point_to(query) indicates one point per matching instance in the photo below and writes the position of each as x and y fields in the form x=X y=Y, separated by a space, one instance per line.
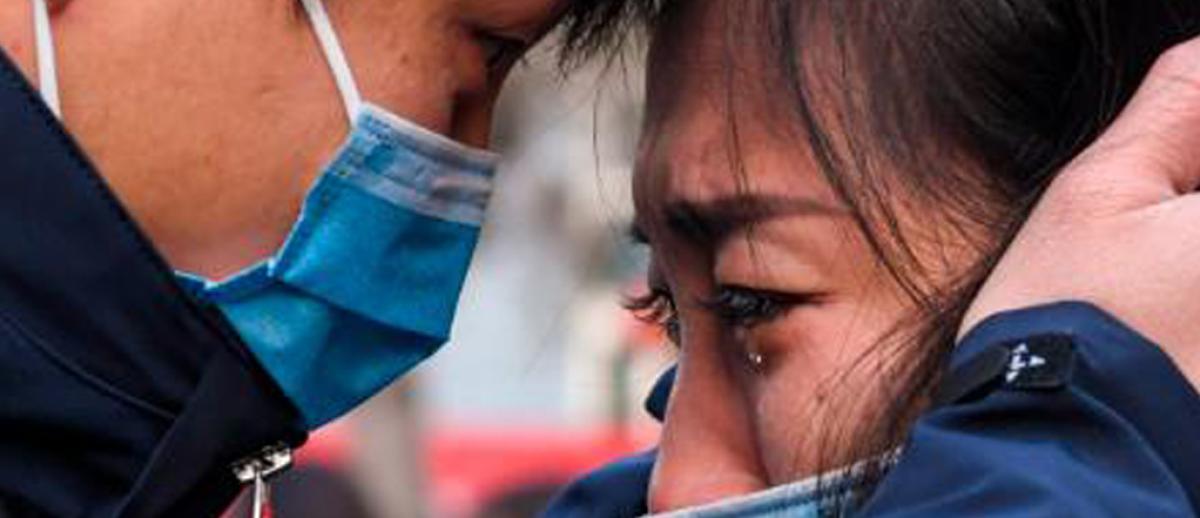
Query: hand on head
x=1120 y=226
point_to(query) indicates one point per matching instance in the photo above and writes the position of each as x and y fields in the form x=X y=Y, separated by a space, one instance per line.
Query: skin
x=212 y=119
x=1118 y=225
x=734 y=427
x=214 y=203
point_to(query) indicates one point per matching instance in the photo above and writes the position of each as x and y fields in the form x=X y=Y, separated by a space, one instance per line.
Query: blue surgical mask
x=366 y=285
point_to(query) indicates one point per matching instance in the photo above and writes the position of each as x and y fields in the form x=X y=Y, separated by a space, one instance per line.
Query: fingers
x=1155 y=142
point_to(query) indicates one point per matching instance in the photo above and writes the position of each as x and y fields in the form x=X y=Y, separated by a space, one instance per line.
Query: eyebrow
x=711 y=222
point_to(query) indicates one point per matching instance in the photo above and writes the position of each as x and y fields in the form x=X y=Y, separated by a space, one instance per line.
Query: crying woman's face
x=780 y=301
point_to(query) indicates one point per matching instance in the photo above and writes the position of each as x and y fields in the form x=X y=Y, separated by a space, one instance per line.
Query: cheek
x=471 y=76
x=409 y=59
x=423 y=83
x=821 y=386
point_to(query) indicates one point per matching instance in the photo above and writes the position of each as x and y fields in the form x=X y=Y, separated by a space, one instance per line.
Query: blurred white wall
x=552 y=247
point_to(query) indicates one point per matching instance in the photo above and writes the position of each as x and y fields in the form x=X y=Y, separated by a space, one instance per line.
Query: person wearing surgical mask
x=226 y=224
x=916 y=258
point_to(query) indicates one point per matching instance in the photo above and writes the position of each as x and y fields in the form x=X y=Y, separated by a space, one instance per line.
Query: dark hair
x=977 y=103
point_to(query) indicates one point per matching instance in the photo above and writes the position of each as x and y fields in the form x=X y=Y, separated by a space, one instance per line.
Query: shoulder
x=1052 y=411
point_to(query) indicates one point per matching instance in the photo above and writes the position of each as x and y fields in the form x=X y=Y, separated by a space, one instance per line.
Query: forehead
x=701 y=52
x=714 y=126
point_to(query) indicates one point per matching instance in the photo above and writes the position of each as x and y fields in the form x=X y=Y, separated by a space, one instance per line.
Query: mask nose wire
x=335 y=57
x=46 y=64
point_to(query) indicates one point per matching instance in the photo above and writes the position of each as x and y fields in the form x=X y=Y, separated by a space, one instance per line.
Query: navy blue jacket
x=1052 y=411
x=119 y=394
x=618 y=489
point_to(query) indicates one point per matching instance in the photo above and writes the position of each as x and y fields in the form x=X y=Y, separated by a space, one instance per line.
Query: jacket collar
x=75 y=269
x=81 y=280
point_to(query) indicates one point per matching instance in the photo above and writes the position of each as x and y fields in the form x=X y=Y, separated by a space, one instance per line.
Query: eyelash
x=657 y=307
x=738 y=307
x=744 y=308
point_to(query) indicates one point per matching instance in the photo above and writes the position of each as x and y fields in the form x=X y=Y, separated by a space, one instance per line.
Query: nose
x=708 y=450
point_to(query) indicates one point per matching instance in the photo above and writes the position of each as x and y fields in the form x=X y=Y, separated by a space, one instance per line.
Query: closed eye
x=500 y=51
x=744 y=308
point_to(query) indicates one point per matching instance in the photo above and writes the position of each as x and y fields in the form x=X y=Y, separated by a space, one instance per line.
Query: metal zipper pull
x=257 y=469
x=262 y=499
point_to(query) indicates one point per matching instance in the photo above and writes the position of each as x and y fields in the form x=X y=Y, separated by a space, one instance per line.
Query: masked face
x=214 y=155
x=779 y=298
x=366 y=283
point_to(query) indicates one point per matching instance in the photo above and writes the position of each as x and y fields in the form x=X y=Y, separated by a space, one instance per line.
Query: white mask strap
x=47 y=67
x=334 y=56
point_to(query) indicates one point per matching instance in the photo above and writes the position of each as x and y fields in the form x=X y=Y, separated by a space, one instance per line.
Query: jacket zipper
x=258 y=469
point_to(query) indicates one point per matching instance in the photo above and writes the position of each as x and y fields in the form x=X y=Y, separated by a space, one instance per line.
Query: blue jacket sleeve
x=1052 y=411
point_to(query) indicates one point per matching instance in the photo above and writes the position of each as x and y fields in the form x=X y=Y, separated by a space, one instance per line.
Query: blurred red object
x=331 y=446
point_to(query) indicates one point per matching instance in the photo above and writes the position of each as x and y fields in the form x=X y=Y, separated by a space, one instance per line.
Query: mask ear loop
x=47 y=66
x=334 y=56
x=330 y=46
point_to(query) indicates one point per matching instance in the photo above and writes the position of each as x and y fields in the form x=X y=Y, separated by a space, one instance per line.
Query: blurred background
x=545 y=374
